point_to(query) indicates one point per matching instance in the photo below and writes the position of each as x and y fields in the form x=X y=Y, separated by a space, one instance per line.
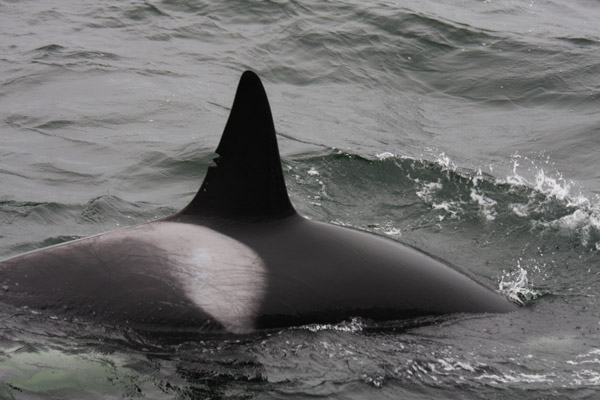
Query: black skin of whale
x=239 y=257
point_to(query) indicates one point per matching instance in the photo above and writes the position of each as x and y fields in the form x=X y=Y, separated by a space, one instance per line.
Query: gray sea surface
x=469 y=129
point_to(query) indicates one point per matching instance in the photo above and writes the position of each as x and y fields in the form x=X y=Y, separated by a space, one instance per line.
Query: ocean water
x=469 y=129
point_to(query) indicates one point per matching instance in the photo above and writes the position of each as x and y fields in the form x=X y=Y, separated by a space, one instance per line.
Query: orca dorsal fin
x=247 y=180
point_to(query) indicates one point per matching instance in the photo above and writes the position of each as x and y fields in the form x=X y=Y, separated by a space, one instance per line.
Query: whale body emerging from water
x=239 y=257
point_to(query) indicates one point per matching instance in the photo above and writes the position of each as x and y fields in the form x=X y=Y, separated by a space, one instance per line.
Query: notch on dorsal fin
x=247 y=180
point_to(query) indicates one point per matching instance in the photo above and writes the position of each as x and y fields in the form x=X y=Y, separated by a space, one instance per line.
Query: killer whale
x=238 y=257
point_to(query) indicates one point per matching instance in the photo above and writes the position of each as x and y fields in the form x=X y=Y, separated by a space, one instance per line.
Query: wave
x=517 y=233
x=545 y=202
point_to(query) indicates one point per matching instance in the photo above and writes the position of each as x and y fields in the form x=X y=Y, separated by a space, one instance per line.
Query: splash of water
x=516 y=286
x=581 y=214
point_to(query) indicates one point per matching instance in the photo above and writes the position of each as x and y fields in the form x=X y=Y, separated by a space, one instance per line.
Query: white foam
x=582 y=221
x=486 y=205
x=427 y=191
x=352 y=326
x=521 y=210
x=385 y=155
x=516 y=378
x=449 y=364
x=584 y=217
x=444 y=161
x=393 y=232
x=516 y=286
x=587 y=377
x=591 y=357
x=451 y=207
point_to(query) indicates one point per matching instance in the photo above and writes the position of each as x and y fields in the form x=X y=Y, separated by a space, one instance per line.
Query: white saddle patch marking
x=222 y=276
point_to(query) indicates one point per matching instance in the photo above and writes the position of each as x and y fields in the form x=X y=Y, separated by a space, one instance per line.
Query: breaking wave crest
x=524 y=225
x=544 y=202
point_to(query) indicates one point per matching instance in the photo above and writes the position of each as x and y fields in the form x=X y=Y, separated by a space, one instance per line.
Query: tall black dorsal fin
x=247 y=180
